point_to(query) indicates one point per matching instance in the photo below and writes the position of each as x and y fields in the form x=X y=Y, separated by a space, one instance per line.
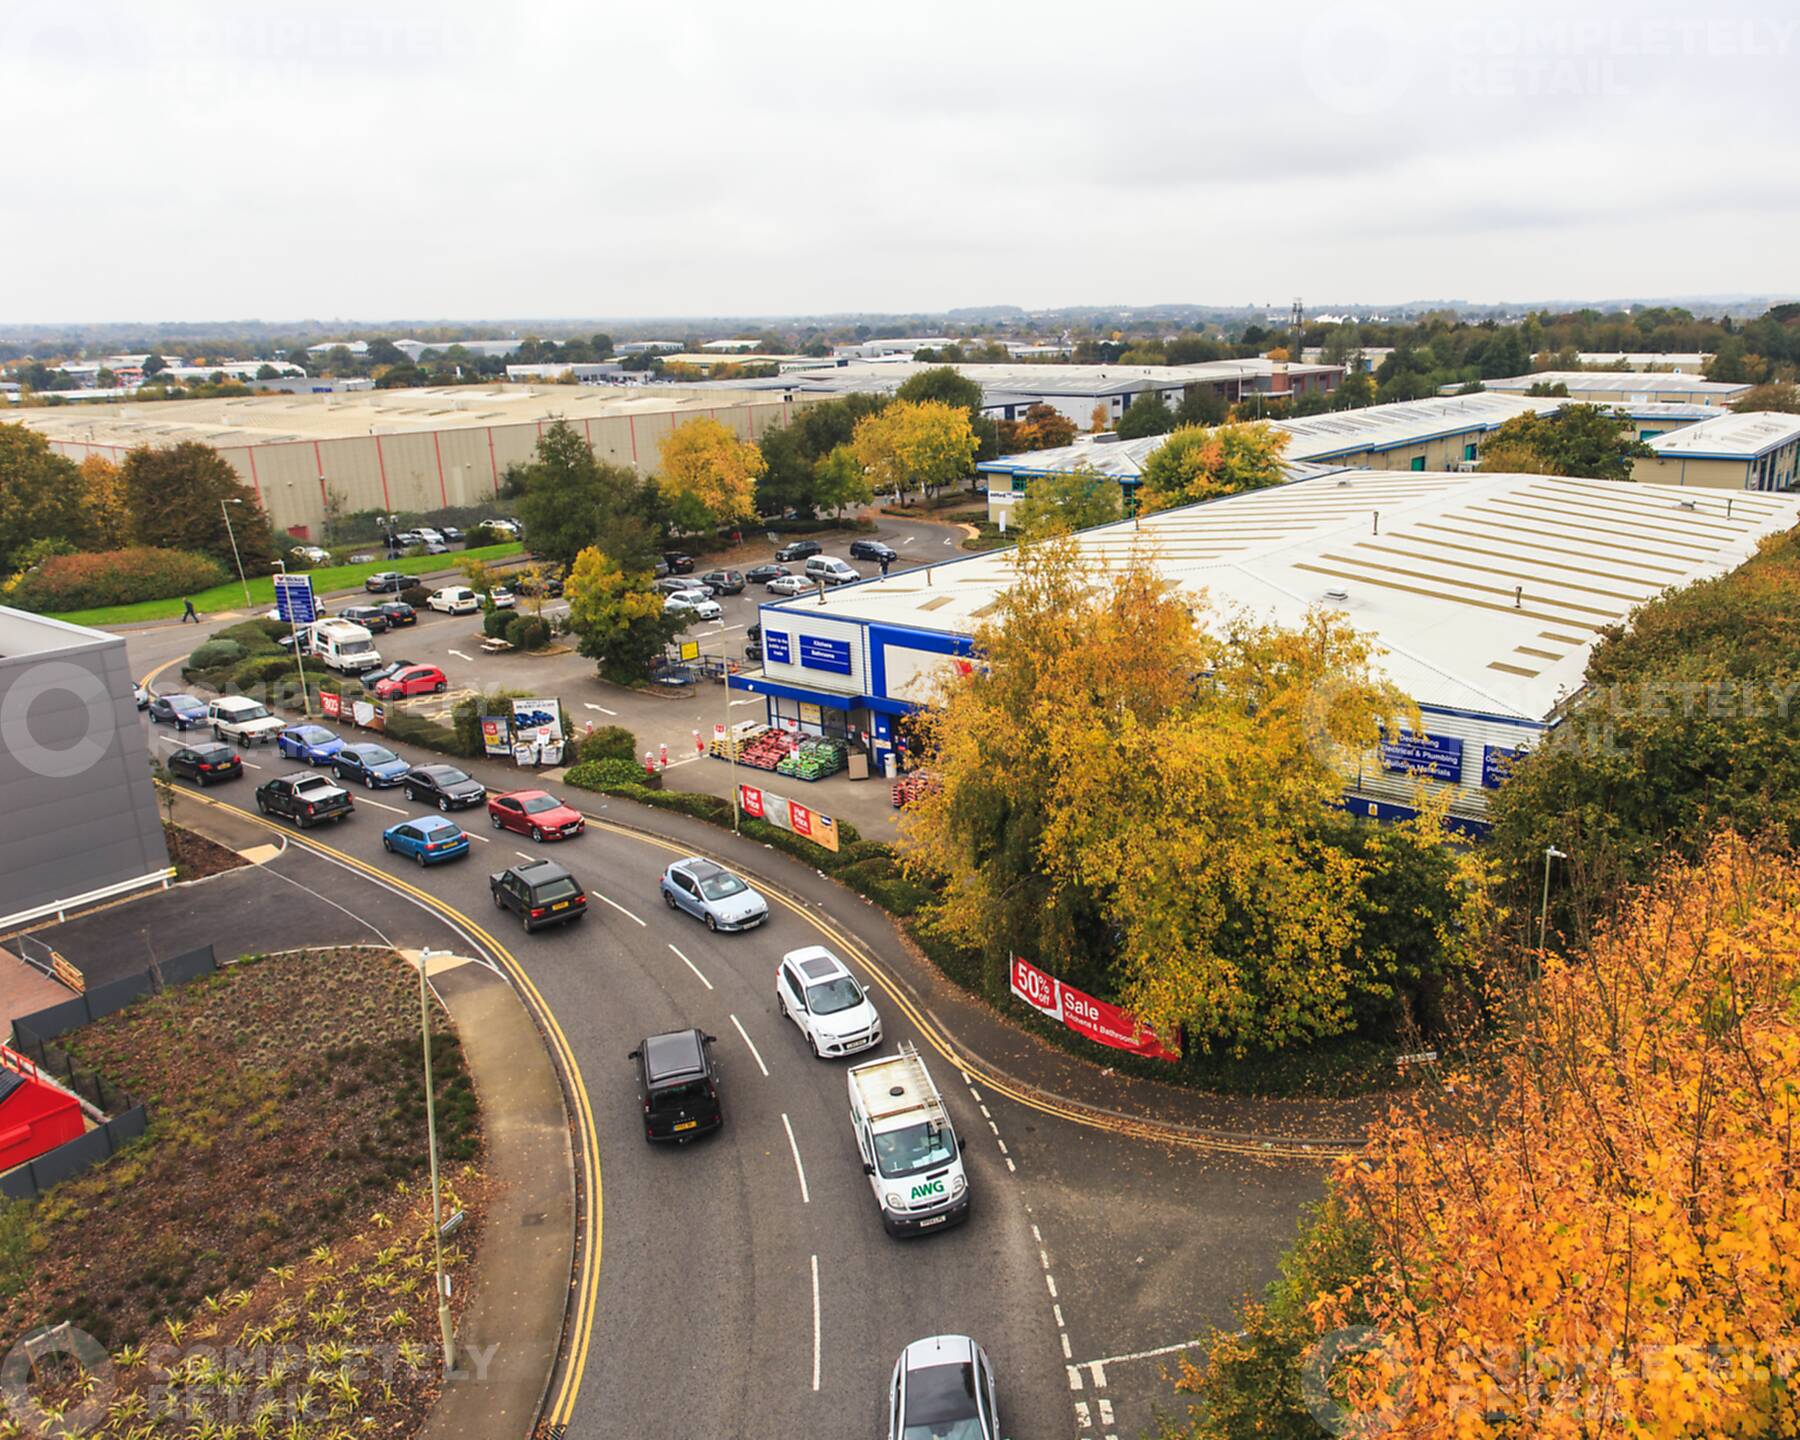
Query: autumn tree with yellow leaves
x=103 y=494
x=1205 y=462
x=915 y=445
x=708 y=475
x=617 y=616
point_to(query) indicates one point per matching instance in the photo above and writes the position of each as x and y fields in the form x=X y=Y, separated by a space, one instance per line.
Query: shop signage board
x=294 y=600
x=331 y=704
x=1095 y=1019
x=690 y=650
x=1497 y=763
x=1438 y=756
x=820 y=652
x=537 y=734
x=368 y=714
x=776 y=647
x=496 y=735
x=803 y=820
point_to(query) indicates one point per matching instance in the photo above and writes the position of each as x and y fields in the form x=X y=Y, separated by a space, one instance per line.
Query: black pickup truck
x=306 y=798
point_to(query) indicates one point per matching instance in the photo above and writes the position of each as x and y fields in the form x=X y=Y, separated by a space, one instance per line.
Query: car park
x=536 y=813
x=205 y=762
x=369 y=763
x=239 y=718
x=384 y=582
x=693 y=602
x=451 y=533
x=309 y=744
x=454 y=600
x=674 y=585
x=724 y=582
x=678 y=563
x=398 y=612
x=430 y=840
x=907 y=1143
x=443 y=786
x=412 y=680
x=943 y=1389
x=435 y=547
x=764 y=573
x=306 y=797
x=372 y=678
x=712 y=894
x=408 y=537
x=371 y=617
x=831 y=570
x=428 y=536
x=539 y=892
x=343 y=645
x=182 y=711
x=678 y=1085
x=816 y=990
x=864 y=548
x=790 y=585
x=799 y=550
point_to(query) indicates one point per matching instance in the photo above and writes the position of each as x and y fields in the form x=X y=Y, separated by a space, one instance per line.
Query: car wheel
x=368 y=782
x=261 y=805
x=812 y=1044
x=524 y=922
x=419 y=855
x=537 y=834
x=712 y=924
x=438 y=689
x=443 y=805
x=499 y=904
x=387 y=844
x=201 y=781
x=494 y=820
x=669 y=899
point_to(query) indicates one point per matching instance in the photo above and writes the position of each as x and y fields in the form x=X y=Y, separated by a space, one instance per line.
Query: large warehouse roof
x=886 y=376
x=1485 y=592
x=1729 y=437
x=1634 y=382
x=271 y=419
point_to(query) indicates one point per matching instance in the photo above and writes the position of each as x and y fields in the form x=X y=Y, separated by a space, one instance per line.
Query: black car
x=539 y=892
x=678 y=1082
x=753 y=643
x=799 y=550
x=371 y=617
x=398 y=612
x=451 y=533
x=678 y=563
x=443 y=786
x=305 y=797
x=204 y=764
x=370 y=678
x=723 y=582
x=383 y=581
x=866 y=549
x=762 y=574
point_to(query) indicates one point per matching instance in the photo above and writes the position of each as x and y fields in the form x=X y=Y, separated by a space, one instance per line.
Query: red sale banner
x=750 y=798
x=1100 y=1022
x=800 y=818
x=331 y=703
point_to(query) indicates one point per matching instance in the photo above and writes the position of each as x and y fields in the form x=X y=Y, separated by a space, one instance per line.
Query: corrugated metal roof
x=1734 y=436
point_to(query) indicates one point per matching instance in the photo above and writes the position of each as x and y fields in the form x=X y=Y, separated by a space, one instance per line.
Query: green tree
x=1730 y=362
x=178 y=496
x=1071 y=500
x=949 y=386
x=41 y=495
x=267 y=372
x=154 y=365
x=1780 y=395
x=791 y=452
x=1584 y=440
x=839 y=480
x=1197 y=463
x=569 y=501
x=1200 y=405
x=617 y=616
x=1146 y=415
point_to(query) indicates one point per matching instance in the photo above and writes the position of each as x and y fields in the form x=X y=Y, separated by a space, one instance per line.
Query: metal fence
x=101 y=1000
x=69 y=1159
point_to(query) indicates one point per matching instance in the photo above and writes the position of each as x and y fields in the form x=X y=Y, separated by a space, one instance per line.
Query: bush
x=528 y=632
x=494 y=623
x=417 y=730
x=610 y=742
x=484 y=534
x=415 y=596
x=215 y=654
x=610 y=774
x=114 y=577
x=465 y=717
x=262 y=670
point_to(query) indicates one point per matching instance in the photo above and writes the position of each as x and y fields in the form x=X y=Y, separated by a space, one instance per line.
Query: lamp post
x=242 y=579
x=1550 y=853
x=437 y=1204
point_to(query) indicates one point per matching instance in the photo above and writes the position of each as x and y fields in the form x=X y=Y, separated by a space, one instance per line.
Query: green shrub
x=484 y=534
x=494 y=623
x=262 y=670
x=215 y=654
x=610 y=742
x=415 y=596
x=884 y=882
x=417 y=730
x=528 y=632
x=465 y=716
x=114 y=577
x=609 y=774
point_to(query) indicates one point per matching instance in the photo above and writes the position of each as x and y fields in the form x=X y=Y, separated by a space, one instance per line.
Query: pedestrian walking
x=884 y=567
x=188 y=612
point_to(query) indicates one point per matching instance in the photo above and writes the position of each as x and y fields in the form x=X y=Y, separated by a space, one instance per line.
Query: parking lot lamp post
x=1550 y=853
x=234 y=547
x=437 y=1203
x=731 y=753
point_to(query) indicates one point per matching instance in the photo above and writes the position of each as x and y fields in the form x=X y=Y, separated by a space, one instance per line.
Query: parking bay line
x=696 y=969
x=617 y=906
x=754 y=1055
x=799 y=1169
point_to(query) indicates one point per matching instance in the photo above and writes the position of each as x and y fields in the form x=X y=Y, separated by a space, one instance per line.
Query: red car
x=536 y=813
x=413 y=680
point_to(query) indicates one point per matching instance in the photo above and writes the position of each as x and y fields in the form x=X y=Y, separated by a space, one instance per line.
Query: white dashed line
x=799 y=1169
x=1050 y=1280
x=703 y=980
x=621 y=909
x=525 y=855
x=753 y=1053
x=1106 y=1415
x=1074 y=1377
x=1068 y=1351
x=1011 y=1168
x=815 y=1280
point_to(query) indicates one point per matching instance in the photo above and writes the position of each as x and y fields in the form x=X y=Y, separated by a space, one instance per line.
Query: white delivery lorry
x=343 y=645
x=908 y=1145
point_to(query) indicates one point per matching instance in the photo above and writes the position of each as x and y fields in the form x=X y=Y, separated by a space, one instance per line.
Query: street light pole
x=242 y=579
x=1550 y=853
x=437 y=1203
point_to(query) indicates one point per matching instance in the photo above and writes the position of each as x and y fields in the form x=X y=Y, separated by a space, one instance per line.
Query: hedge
x=114 y=577
x=610 y=742
x=528 y=632
x=609 y=774
x=494 y=623
x=415 y=596
x=215 y=653
x=417 y=730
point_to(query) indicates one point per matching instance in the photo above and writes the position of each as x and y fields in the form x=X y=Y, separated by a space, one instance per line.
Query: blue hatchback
x=372 y=764
x=429 y=839
x=309 y=744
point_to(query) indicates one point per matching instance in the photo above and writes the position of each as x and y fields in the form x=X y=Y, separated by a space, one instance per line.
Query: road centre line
x=392 y=809
x=623 y=911
x=799 y=1169
x=815 y=1280
x=1106 y=1360
x=754 y=1055
x=703 y=980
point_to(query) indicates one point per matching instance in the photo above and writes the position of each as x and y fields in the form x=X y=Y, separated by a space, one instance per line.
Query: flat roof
x=1426 y=562
x=1028 y=380
x=272 y=419
x=1639 y=381
x=23 y=633
x=1729 y=437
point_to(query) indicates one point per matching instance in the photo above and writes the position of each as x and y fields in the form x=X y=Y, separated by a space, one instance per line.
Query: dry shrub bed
x=266 y=1248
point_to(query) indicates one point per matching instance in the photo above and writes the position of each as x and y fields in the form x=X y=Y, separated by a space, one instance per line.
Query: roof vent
x=896 y=1091
x=1685 y=504
x=1343 y=484
x=1337 y=592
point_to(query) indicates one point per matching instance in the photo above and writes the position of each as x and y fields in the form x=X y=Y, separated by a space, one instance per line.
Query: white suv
x=694 y=602
x=455 y=600
x=239 y=718
x=816 y=990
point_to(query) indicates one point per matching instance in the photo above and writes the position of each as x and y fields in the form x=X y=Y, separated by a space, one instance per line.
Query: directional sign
x=294 y=601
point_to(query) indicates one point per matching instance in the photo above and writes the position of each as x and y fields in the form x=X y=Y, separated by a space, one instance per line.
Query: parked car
x=674 y=585
x=799 y=550
x=398 y=612
x=435 y=547
x=384 y=582
x=413 y=680
x=309 y=744
x=455 y=600
x=693 y=602
x=362 y=557
x=443 y=786
x=511 y=527
x=206 y=762
x=370 y=763
x=831 y=570
x=311 y=554
x=660 y=569
x=678 y=563
x=372 y=678
x=239 y=718
x=678 y=1085
x=866 y=549
x=943 y=1386
x=712 y=893
x=724 y=582
x=762 y=574
x=372 y=618
x=140 y=694
x=790 y=585
x=501 y=598
x=182 y=711
x=536 y=813
x=816 y=990
x=430 y=840
x=408 y=537
x=452 y=533
x=306 y=798
x=539 y=892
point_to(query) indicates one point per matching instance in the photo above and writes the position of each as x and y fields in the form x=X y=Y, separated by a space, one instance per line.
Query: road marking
x=1106 y=1415
x=1059 y=1319
x=1010 y=1167
x=524 y=855
x=1099 y=1369
x=1083 y=1414
x=249 y=766
x=815 y=1279
x=948 y=540
x=1050 y=1280
x=601 y=708
x=1074 y=1377
x=1102 y=1363
x=908 y=540
x=743 y=702
x=460 y=656
x=753 y=1051
x=622 y=910
x=1068 y=1351
x=1038 y=1236
x=799 y=1169
x=721 y=629
x=696 y=969
x=392 y=808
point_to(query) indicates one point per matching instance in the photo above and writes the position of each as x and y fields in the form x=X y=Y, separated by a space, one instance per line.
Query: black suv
x=866 y=549
x=306 y=798
x=678 y=563
x=539 y=892
x=371 y=617
x=723 y=582
x=799 y=550
x=678 y=1081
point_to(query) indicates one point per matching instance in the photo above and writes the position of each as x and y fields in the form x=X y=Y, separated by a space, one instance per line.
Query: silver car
x=712 y=893
x=943 y=1389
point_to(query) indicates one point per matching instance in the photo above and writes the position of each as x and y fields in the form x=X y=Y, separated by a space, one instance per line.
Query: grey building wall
x=77 y=807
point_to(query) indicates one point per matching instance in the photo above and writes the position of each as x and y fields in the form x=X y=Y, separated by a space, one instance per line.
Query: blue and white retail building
x=1484 y=594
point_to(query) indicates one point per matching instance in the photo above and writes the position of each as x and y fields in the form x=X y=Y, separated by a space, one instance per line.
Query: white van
x=908 y=1145
x=343 y=646
x=454 y=600
x=831 y=570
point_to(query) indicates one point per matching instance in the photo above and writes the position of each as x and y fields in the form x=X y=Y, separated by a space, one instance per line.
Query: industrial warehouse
x=1485 y=594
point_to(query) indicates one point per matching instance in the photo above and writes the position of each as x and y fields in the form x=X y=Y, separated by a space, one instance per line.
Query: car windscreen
x=940 y=1404
x=247 y=712
x=447 y=777
x=312 y=735
x=546 y=891
x=830 y=996
x=538 y=804
x=354 y=647
x=917 y=1147
x=376 y=755
x=722 y=886
x=689 y=1092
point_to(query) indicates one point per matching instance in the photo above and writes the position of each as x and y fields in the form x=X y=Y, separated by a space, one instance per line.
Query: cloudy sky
x=194 y=161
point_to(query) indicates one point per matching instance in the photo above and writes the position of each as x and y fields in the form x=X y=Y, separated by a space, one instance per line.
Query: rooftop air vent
x=1685 y=504
x=1337 y=592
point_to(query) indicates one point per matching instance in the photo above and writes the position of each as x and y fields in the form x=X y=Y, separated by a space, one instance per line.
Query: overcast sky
x=195 y=161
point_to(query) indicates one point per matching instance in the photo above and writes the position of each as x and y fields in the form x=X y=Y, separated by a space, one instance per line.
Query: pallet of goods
x=763 y=751
x=814 y=760
x=911 y=786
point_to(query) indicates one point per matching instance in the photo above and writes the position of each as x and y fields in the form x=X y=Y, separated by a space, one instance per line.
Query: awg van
x=343 y=646
x=908 y=1145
